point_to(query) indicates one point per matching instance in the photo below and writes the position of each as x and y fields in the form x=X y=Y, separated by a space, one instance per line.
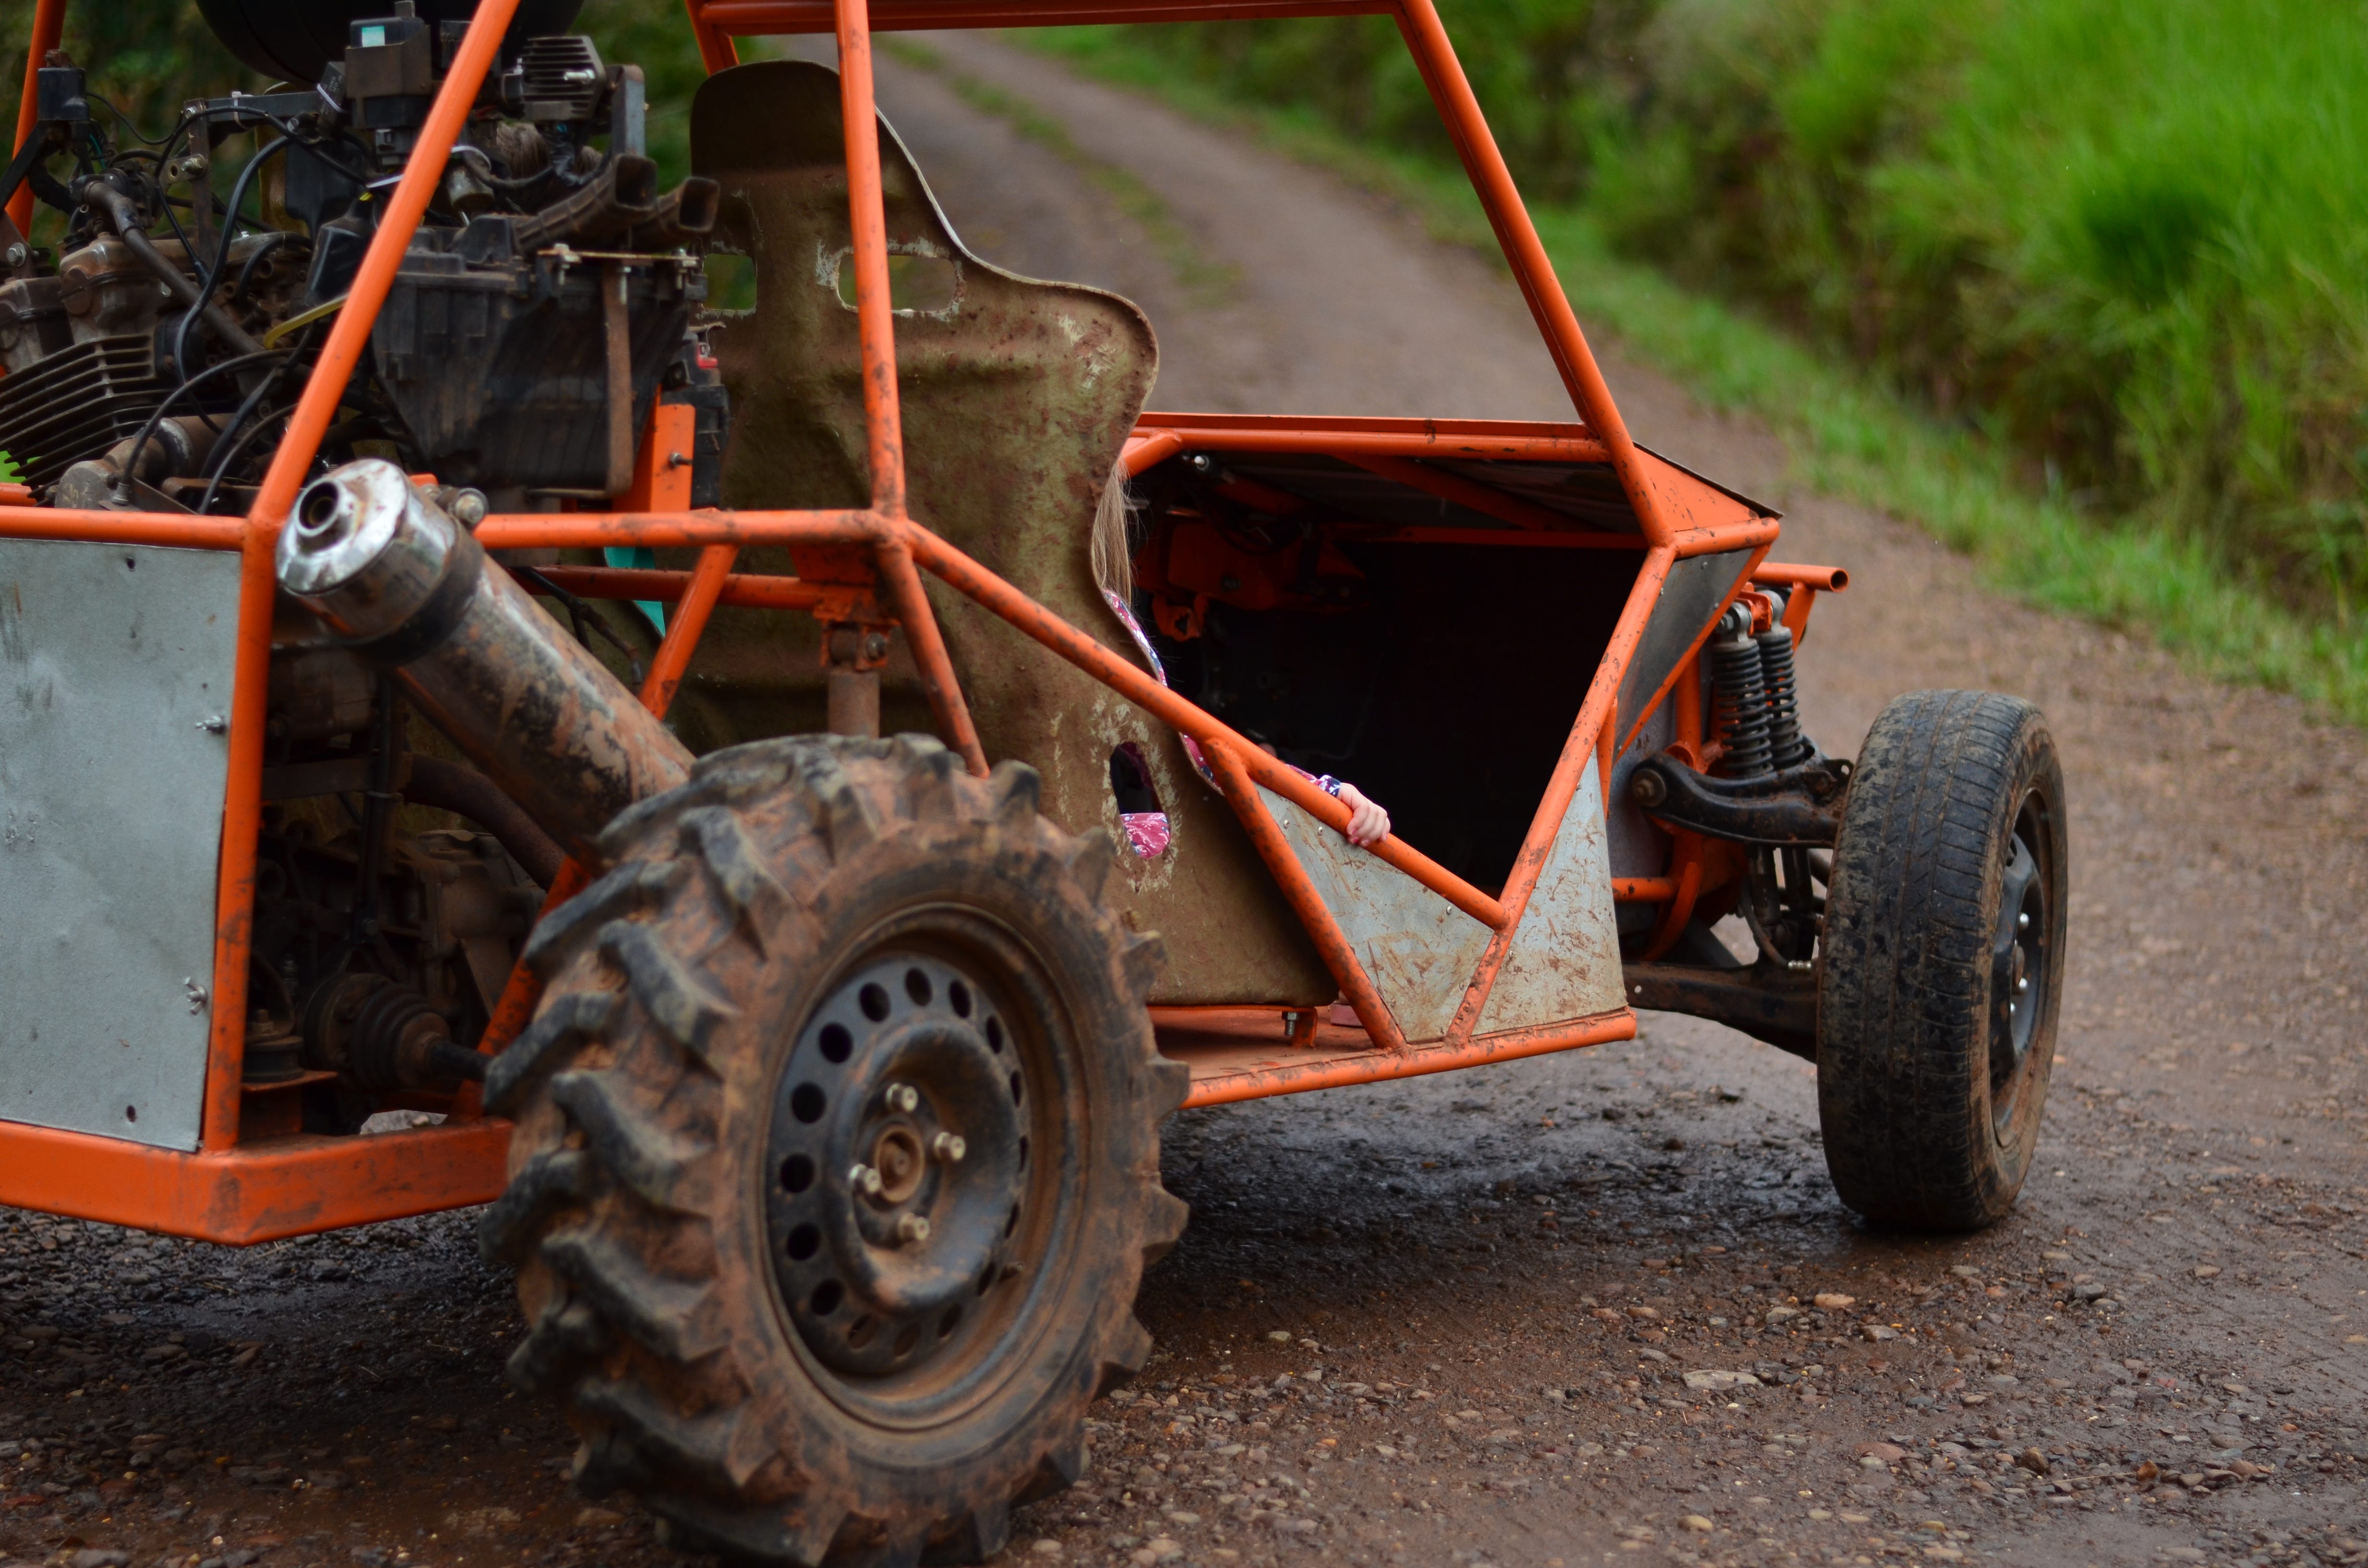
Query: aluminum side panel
x=1565 y=959
x=115 y=672
x=1689 y=597
x=1419 y=949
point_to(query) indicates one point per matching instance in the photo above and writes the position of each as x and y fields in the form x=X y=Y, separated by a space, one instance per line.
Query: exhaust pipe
x=409 y=590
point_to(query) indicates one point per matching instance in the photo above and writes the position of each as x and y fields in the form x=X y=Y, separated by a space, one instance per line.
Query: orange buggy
x=812 y=1079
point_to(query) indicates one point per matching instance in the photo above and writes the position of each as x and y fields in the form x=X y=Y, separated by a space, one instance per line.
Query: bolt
x=2023 y=983
x=875 y=645
x=864 y=1179
x=946 y=1146
x=1648 y=788
x=912 y=1228
x=904 y=1097
x=16 y=254
x=2023 y=920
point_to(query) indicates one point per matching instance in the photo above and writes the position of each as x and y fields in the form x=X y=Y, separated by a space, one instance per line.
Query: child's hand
x=1368 y=824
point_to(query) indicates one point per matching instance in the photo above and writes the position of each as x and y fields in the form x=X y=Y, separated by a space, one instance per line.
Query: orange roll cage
x=249 y=1180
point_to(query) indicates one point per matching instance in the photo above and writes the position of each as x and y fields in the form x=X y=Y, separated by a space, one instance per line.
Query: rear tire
x=1942 y=966
x=822 y=958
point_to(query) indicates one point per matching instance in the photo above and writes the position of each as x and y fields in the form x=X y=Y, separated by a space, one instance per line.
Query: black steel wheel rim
x=2023 y=951
x=908 y=1209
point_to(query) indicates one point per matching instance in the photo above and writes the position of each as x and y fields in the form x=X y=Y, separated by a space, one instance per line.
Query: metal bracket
x=1764 y=1001
x=854 y=654
x=1790 y=808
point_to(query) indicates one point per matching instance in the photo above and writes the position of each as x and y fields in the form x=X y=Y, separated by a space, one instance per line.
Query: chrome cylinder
x=406 y=589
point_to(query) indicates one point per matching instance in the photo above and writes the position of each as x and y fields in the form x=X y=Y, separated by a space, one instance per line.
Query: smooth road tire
x=1941 y=969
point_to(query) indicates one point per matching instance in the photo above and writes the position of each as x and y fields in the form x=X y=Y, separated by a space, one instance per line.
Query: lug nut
x=912 y=1228
x=904 y=1097
x=864 y=1179
x=946 y=1146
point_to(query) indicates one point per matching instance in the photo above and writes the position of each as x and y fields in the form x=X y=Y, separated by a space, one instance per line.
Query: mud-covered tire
x=1948 y=892
x=748 y=977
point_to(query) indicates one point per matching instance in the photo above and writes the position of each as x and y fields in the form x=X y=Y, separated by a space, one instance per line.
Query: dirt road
x=1489 y=1317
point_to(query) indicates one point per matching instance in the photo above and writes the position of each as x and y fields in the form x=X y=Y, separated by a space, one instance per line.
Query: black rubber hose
x=204 y=300
x=126 y=217
x=231 y=449
x=139 y=445
x=465 y=791
x=457 y=1061
x=246 y=271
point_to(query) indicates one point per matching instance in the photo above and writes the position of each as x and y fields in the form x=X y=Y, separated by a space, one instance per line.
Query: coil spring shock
x=1787 y=747
x=1741 y=694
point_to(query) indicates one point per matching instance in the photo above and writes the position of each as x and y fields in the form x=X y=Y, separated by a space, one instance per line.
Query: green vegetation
x=2155 y=423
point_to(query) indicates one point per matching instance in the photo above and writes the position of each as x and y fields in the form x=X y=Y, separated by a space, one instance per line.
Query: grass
x=1849 y=434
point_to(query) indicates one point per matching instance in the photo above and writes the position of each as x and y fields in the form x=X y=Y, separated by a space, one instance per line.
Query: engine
x=155 y=351
x=157 y=345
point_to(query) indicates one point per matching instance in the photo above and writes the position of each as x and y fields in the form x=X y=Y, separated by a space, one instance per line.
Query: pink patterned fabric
x=1146 y=832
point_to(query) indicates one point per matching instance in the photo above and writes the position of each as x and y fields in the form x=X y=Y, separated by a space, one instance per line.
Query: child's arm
x=1368 y=823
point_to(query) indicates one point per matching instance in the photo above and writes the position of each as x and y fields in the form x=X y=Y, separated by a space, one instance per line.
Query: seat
x=1017 y=395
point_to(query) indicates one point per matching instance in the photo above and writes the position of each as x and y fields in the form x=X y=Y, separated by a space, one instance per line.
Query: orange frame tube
x=49 y=27
x=228 y=1195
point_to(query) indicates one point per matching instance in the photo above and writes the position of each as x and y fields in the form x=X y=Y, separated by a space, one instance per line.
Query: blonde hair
x=1113 y=562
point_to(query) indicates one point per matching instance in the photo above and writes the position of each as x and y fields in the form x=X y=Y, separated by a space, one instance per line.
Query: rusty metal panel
x=1565 y=959
x=115 y=674
x=1018 y=395
x=1419 y=949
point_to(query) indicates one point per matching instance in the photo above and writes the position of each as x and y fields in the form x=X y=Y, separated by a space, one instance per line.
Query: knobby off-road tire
x=819 y=958
x=1943 y=961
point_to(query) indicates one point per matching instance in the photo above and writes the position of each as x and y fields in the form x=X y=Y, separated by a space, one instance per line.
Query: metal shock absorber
x=1787 y=747
x=1741 y=696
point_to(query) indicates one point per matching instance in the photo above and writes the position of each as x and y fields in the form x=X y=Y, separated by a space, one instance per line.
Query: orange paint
x=716 y=50
x=751 y=591
x=685 y=626
x=289 y=1185
x=661 y=466
x=1283 y=863
x=1236 y=1079
x=596 y=530
x=177 y=530
x=283 y=1186
x=49 y=27
x=755 y=18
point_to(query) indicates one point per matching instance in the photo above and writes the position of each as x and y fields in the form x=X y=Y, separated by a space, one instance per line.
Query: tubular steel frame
x=227 y=1191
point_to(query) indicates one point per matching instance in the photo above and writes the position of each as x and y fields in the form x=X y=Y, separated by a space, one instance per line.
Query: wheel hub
x=2019 y=968
x=897 y=1164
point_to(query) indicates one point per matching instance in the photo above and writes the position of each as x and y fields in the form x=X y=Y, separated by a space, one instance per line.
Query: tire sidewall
x=2009 y=1150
